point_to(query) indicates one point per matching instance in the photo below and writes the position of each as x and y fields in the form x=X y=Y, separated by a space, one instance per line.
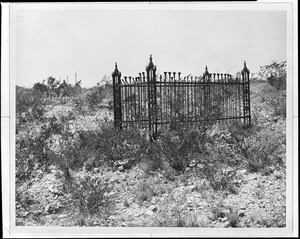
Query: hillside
x=74 y=169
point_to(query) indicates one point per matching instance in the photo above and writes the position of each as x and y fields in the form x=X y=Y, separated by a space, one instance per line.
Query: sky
x=59 y=42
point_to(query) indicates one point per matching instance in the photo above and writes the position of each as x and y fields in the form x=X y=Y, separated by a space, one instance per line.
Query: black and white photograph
x=150 y=119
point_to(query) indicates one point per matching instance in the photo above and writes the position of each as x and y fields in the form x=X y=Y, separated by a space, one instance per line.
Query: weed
x=217 y=210
x=266 y=171
x=233 y=217
x=126 y=203
x=260 y=191
x=144 y=192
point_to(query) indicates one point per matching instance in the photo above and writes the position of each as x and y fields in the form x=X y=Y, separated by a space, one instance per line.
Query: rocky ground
x=138 y=199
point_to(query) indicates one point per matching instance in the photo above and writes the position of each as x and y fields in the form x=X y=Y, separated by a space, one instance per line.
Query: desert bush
x=95 y=97
x=259 y=146
x=274 y=101
x=113 y=147
x=80 y=104
x=279 y=82
x=144 y=192
x=63 y=150
x=179 y=146
x=219 y=176
x=31 y=149
x=91 y=194
x=276 y=71
x=41 y=144
x=29 y=105
x=274 y=96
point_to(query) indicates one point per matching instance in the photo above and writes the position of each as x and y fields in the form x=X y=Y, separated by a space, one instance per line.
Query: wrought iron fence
x=151 y=101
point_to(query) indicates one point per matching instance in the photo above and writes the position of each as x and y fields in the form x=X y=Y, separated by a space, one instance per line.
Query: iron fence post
x=116 y=75
x=206 y=89
x=152 y=99
x=246 y=94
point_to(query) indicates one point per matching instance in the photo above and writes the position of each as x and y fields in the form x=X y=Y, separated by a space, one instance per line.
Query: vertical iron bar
x=116 y=75
x=166 y=97
x=171 y=96
x=161 y=100
x=152 y=102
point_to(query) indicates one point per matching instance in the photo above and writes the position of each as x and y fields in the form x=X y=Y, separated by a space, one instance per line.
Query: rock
x=149 y=213
x=96 y=170
x=123 y=224
x=48 y=208
x=241 y=173
x=278 y=174
x=225 y=213
x=241 y=213
x=192 y=187
x=121 y=168
x=45 y=213
x=153 y=200
x=153 y=208
x=227 y=224
x=241 y=224
x=188 y=169
x=111 y=194
x=243 y=208
x=37 y=212
x=224 y=219
x=62 y=216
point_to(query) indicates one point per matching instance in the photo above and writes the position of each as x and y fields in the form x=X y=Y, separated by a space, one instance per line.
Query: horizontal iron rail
x=189 y=121
x=168 y=83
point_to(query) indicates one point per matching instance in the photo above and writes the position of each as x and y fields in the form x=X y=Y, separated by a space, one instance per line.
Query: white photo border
x=8 y=80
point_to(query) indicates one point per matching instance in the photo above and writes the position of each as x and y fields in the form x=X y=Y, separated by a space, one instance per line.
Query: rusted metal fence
x=151 y=101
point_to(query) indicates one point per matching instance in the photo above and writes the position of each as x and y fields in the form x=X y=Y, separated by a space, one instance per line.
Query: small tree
x=52 y=85
x=40 y=88
x=275 y=73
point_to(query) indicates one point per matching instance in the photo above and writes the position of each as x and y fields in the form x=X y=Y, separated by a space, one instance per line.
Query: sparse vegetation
x=74 y=169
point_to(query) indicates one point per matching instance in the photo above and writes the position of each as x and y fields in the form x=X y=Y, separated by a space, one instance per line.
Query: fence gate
x=151 y=101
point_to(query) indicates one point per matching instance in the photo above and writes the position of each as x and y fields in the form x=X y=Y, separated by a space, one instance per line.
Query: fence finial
x=150 y=65
x=206 y=71
x=116 y=71
x=245 y=68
